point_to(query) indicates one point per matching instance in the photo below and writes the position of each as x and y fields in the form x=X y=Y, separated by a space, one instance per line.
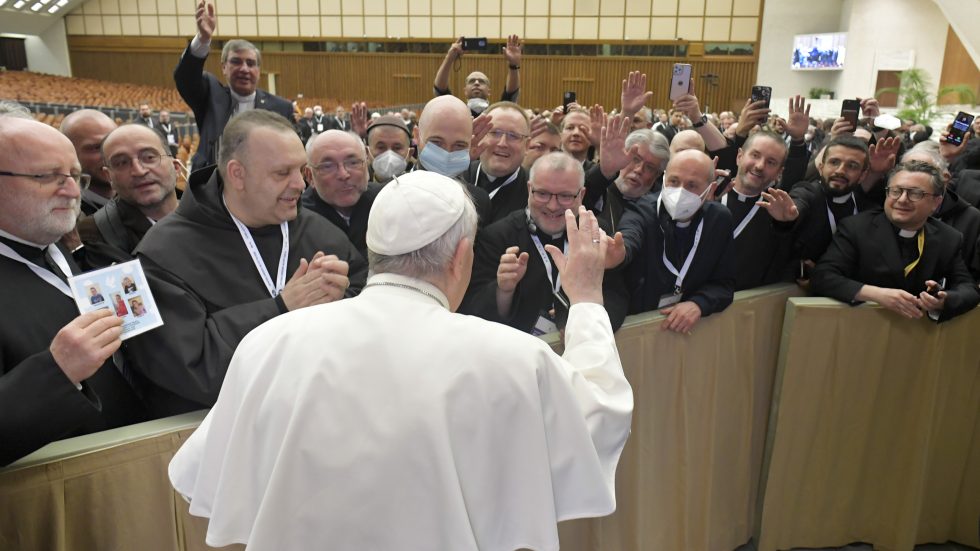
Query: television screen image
x=819 y=51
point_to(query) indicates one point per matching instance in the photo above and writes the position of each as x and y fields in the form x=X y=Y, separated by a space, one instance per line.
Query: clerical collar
x=243 y=99
x=13 y=237
x=842 y=199
x=742 y=197
x=907 y=234
x=399 y=281
x=682 y=224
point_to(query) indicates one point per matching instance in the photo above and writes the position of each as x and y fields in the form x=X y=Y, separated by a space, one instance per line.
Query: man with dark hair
x=477 y=90
x=146 y=116
x=213 y=103
x=514 y=282
x=218 y=264
x=56 y=377
x=143 y=174
x=339 y=188
x=546 y=142
x=901 y=258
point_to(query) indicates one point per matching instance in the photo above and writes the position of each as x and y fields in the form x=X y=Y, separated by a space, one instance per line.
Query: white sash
x=253 y=250
x=44 y=273
x=679 y=282
x=556 y=287
x=748 y=217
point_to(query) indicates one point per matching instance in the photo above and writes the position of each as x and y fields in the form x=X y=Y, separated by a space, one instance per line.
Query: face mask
x=477 y=105
x=439 y=160
x=388 y=165
x=680 y=203
x=317 y=113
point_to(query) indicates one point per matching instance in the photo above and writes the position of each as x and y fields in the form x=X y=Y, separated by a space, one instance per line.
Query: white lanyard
x=165 y=127
x=748 y=217
x=513 y=177
x=44 y=273
x=679 y=282
x=556 y=287
x=253 y=250
x=833 y=221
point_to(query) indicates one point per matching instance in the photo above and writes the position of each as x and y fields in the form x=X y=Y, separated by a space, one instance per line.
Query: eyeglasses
x=912 y=193
x=54 y=178
x=148 y=158
x=512 y=137
x=647 y=167
x=238 y=62
x=329 y=168
x=564 y=199
x=477 y=81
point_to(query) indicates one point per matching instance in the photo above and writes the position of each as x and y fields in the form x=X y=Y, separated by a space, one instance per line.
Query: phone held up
x=849 y=110
x=680 y=81
x=567 y=98
x=761 y=93
x=474 y=43
x=961 y=125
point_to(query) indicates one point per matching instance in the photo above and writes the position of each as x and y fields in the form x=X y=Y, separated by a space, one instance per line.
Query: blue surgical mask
x=437 y=159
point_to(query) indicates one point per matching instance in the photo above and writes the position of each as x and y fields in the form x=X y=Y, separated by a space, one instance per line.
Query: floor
x=867 y=547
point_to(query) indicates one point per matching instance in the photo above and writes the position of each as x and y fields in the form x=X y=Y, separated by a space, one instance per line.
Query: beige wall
x=693 y=20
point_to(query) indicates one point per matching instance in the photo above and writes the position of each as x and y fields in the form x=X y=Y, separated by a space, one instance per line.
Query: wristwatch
x=702 y=122
x=514 y=67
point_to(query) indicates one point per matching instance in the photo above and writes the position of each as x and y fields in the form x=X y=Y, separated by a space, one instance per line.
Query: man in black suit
x=213 y=103
x=339 y=120
x=498 y=171
x=679 y=246
x=901 y=258
x=56 y=379
x=514 y=280
x=146 y=116
x=169 y=131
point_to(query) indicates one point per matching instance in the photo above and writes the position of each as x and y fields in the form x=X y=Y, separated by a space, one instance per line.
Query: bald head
x=445 y=121
x=477 y=86
x=86 y=128
x=686 y=139
x=36 y=211
x=329 y=140
x=691 y=169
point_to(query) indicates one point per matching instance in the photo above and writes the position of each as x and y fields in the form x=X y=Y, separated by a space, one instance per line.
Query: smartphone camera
x=475 y=43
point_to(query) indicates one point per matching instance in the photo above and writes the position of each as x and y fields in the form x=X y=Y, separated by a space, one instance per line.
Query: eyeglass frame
x=569 y=199
x=910 y=193
x=320 y=170
x=82 y=179
x=129 y=160
x=509 y=137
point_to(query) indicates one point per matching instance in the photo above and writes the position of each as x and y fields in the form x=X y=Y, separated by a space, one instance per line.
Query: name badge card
x=122 y=289
x=669 y=299
x=319 y=128
x=543 y=326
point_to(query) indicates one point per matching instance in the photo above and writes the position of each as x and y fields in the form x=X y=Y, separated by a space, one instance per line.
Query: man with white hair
x=395 y=443
x=56 y=380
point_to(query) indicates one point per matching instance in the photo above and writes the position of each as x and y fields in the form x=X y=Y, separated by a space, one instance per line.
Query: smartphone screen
x=567 y=98
x=961 y=125
x=761 y=93
x=680 y=82
x=849 y=110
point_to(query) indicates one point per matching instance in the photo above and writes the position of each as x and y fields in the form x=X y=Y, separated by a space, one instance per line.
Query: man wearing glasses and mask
x=213 y=103
x=340 y=191
x=55 y=378
x=901 y=257
x=514 y=281
x=143 y=174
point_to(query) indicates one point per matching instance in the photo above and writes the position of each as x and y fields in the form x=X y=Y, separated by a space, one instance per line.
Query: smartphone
x=934 y=289
x=961 y=125
x=680 y=81
x=474 y=43
x=761 y=93
x=566 y=98
x=849 y=110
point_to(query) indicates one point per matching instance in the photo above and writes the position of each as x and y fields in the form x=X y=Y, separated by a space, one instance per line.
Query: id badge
x=544 y=326
x=669 y=299
x=319 y=128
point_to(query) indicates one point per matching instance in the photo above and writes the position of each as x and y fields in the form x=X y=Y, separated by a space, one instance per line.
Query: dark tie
x=36 y=256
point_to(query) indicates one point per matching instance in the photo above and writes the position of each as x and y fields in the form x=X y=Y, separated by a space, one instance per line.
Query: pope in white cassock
x=388 y=422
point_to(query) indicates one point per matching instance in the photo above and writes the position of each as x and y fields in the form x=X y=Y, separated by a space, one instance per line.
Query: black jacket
x=212 y=105
x=865 y=251
x=813 y=231
x=356 y=231
x=710 y=283
x=509 y=198
x=965 y=218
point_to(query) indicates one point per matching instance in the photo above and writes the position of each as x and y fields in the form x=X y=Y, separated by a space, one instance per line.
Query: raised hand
x=841 y=126
x=613 y=155
x=752 y=114
x=688 y=104
x=950 y=150
x=882 y=155
x=635 y=94
x=597 y=119
x=582 y=269
x=779 y=205
x=869 y=107
x=799 y=118
x=482 y=126
x=512 y=51
x=359 y=118
x=206 y=20
x=511 y=270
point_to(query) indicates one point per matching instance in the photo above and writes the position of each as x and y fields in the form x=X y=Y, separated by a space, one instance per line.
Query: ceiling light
x=61 y=3
x=45 y=2
x=53 y=9
x=2 y=2
x=37 y=6
x=19 y=4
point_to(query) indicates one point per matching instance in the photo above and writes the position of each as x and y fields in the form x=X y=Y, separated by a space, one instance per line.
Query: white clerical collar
x=842 y=199
x=743 y=197
x=907 y=233
x=13 y=237
x=410 y=285
x=683 y=224
x=243 y=99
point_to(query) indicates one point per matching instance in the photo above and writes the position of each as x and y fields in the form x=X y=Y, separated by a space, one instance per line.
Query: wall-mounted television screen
x=819 y=51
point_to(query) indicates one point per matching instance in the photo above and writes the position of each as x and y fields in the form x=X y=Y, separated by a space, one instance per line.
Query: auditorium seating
x=37 y=87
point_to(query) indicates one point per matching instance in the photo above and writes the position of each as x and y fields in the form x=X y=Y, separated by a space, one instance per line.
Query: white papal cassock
x=385 y=422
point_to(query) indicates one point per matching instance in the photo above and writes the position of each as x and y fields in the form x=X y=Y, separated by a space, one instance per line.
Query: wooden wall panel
x=394 y=79
x=958 y=67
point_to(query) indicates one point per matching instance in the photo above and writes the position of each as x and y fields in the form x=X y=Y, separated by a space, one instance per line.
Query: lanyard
x=921 y=242
x=833 y=221
x=556 y=287
x=512 y=177
x=679 y=282
x=745 y=221
x=253 y=250
x=44 y=273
